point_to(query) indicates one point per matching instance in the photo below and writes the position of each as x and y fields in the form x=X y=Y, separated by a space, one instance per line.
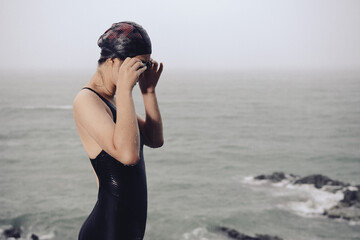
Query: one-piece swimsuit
x=121 y=208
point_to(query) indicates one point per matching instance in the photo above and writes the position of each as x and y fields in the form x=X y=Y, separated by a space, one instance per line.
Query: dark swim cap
x=122 y=40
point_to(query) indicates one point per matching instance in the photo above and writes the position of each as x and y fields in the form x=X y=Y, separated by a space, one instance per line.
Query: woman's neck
x=102 y=84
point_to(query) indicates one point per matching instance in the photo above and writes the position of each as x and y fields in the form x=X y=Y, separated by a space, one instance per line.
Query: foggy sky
x=186 y=34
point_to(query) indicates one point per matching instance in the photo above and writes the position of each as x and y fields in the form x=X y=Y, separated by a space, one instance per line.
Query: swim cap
x=122 y=40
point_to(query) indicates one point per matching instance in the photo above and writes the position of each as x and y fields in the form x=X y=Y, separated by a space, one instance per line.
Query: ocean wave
x=234 y=234
x=313 y=195
x=202 y=233
x=196 y=234
x=312 y=201
x=47 y=236
x=221 y=232
x=305 y=199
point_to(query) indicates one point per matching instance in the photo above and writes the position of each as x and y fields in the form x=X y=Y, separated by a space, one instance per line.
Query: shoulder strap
x=109 y=104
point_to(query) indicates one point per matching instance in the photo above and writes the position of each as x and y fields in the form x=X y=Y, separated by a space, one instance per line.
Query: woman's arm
x=152 y=126
x=120 y=139
x=126 y=133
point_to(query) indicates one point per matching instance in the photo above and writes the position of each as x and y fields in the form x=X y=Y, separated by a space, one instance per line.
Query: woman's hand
x=149 y=79
x=128 y=73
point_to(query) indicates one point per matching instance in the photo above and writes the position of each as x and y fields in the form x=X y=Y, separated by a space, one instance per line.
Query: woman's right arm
x=126 y=134
x=121 y=139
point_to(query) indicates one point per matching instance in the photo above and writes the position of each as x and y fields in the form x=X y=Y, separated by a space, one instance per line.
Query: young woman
x=113 y=134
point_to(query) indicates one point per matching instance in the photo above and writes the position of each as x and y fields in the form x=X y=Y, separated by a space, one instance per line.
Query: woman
x=113 y=134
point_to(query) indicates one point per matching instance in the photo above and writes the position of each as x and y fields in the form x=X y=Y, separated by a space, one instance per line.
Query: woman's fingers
x=138 y=65
x=140 y=70
x=134 y=61
x=129 y=62
x=160 y=68
x=157 y=67
x=154 y=64
x=129 y=72
x=126 y=61
x=117 y=64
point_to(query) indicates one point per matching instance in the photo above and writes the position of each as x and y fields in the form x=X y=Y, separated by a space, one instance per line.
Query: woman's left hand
x=149 y=79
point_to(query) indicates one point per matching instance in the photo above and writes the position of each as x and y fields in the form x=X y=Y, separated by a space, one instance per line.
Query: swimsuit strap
x=107 y=102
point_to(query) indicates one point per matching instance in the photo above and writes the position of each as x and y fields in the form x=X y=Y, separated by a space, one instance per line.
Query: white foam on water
x=47 y=236
x=313 y=200
x=202 y=233
x=353 y=188
x=305 y=199
x=196 y=234
x=353 y=223
x=252 y=181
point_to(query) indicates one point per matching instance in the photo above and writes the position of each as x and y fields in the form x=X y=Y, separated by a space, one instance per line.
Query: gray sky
x=186 y=34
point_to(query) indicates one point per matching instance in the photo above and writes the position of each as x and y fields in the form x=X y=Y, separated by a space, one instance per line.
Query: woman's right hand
x=128 y=72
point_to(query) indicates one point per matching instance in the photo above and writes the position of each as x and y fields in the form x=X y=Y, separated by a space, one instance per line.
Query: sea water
x=221 y=129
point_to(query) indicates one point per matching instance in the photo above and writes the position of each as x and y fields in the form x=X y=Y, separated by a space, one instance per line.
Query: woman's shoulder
x=80 y=99
x=86 y=100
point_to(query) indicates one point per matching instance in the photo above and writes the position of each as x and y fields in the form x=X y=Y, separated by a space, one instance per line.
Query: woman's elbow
x=160 y=143
x=157 y=144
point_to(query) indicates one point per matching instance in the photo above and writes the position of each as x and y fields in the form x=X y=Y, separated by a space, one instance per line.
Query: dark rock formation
x=276 y=177
x=352 y=197
x=232 y=233
x=15 y=232
x=319 y=181
x=12 y=232
x=34 y=237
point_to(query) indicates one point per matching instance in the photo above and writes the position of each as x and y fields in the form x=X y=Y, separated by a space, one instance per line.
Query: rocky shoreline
x=348 y=208
x=14 y=233
x=233 y=234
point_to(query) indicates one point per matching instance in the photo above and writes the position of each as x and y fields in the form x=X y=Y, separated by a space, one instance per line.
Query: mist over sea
x=220 y=130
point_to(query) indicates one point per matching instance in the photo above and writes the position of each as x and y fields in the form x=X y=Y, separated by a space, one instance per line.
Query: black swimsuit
x=121 y=209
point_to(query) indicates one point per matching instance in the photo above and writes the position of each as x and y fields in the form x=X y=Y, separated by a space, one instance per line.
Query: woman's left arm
x=152 y=125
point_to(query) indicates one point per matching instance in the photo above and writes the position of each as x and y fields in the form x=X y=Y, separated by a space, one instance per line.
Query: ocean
x=221 y=129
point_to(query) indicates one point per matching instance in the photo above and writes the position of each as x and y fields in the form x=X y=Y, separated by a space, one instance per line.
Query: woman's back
x=120 y=211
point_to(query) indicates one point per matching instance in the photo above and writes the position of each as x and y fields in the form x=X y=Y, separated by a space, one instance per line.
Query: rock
x=344 y=212
x=351 y=197
x=319 y=181
x=276 y=177
x=267 y=237
x=12 y=232
x=34 y=237
x=348 y=208
x=232 y=233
